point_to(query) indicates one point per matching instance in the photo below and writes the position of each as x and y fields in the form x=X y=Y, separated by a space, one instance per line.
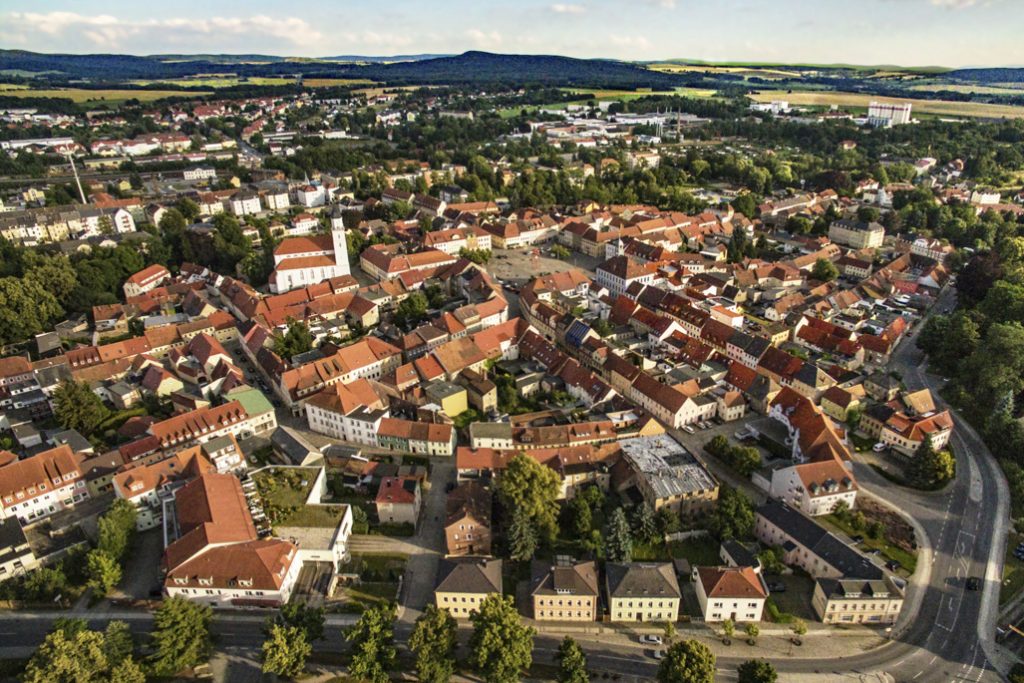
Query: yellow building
x=451 y=397
x=464 y=583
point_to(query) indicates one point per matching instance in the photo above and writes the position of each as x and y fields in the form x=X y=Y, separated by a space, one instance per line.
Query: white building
x=303 y=261
x=735 y=593
x=886 y=115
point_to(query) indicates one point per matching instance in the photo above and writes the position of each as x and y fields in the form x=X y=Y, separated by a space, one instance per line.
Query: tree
x=930 y=469
x=529 y=486
x=116 y=528
x=733 y=516
x=501 y=646
x=296 y=340
x=728 y=628
x=746 y=204
x=285 y=651
x=572 y=663
x=433 y=641
x=756 y=671
x=753 y=631
x=26 y=309
x=667 y=520
x=522 y=536
x=411 y=310
x=824 y=270
x=688 y=661
x=619 y=542
x=181 y=636
x=867 y=214
x=77 y=407
x=72 y=653
x=560 y=252
x=799 y=627
x=579 y=517
x=103 y=570
x=373 y=644
x=644 y=525
x=301 y=615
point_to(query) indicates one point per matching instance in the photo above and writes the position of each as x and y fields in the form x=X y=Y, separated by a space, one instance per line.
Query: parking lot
x=521 y=265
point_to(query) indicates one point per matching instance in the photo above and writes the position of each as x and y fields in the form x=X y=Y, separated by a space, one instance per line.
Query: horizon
x=907 y=33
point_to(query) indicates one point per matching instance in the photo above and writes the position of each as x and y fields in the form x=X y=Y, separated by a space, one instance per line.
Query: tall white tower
x=340 y=243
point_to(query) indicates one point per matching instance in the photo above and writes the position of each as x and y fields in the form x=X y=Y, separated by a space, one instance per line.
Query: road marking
x=917 y=674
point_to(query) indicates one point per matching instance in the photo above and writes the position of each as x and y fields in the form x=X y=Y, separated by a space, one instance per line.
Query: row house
x=42 y=484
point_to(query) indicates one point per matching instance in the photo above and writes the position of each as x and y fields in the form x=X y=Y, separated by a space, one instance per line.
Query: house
x=421 y=438
x=215 y=556
x=849 y=587
x=642 y=592
x=735 y=593
x=146 y=485
x=16 y=555
x=350 y=412
x=146 y=280
x=565 y=590
x=291 y=448
x=42 y=484
x=398 y=500
x=463 y=583
x=816 y=488
x=467 y=527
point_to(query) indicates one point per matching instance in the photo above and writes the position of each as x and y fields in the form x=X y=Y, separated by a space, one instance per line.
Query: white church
x=303 y=261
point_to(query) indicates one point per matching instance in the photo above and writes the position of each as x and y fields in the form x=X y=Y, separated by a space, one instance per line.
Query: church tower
x=340 y=243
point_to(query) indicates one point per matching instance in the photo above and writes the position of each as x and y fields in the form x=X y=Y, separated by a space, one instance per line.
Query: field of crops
x=970 y=89
x=627 y=95
x=861 y=101
x=746 y=72
x=109 y=96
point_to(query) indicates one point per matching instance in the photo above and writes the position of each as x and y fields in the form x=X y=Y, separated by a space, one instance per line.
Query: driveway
x=142 y=566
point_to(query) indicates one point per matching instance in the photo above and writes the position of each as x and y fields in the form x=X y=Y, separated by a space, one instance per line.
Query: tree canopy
x=501 y=647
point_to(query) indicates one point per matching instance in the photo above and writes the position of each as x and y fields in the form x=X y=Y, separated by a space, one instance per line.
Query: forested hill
x=486 y=67
x=470 y=67
x=1007 y=75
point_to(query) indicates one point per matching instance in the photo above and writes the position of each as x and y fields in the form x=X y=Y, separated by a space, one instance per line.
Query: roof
x=641 y=579
x=564 y=578
x=397 y=490
x=36 y=475
x=731 y=582
x=469 y=498
x=826 y=545
x=211 y=510
x=397 y=428
x=481 y=576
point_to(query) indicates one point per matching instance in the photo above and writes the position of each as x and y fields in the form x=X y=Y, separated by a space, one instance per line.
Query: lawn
x=284 y=493
x=699 y=551
x=825 y=98
x=82 y=96
x=1013 y=570
x=795 y=601
x=378 y=580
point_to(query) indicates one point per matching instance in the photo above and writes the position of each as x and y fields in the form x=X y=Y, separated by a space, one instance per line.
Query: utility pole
x=81 y=193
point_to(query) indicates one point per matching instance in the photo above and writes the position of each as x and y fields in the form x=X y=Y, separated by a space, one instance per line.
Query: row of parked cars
x=689 y=429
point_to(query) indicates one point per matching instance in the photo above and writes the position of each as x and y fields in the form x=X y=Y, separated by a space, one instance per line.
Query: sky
x=905 y=32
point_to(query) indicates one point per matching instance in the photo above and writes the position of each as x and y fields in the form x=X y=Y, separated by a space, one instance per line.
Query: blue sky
x=907 y=32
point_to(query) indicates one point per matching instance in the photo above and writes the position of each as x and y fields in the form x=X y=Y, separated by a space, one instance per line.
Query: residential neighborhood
x=517 y=379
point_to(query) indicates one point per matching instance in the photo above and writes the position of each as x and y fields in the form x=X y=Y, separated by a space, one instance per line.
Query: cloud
x=561 y=8
x=105 y=32
x=483 y=39
x=960 y=4
x=629 y=41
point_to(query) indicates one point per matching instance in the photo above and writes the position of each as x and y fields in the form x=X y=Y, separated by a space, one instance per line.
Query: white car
x=688 y=429
x=650 y=639
x=658 y=654
x=879 y=447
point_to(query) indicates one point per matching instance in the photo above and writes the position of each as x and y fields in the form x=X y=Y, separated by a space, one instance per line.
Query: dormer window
x=206 y=581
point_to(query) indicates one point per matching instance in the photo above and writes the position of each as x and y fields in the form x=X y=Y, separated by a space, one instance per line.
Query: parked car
x=892 y=565
x=857 y=538
x=973 y=583
x=777 y=587
x=650 y=639
x=879 y=447
x=688 y=429
x=658 y=654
